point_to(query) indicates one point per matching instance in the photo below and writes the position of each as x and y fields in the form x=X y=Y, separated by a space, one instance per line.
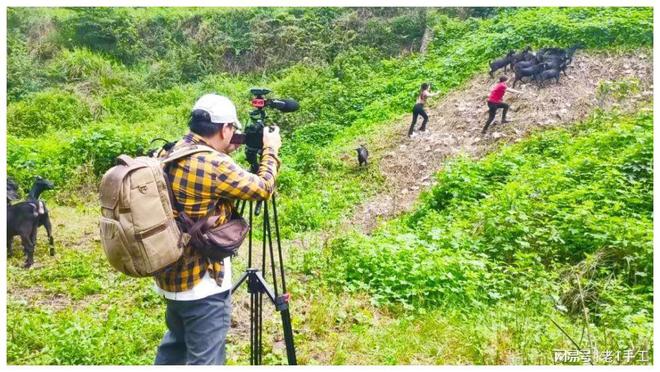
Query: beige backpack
x=138 y=232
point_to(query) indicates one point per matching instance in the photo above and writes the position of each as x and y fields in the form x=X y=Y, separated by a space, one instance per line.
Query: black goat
x=362 y=155
x=527 y=72
x=564 y=53
x=547 y=75
x=522 y=56
x=24 y=219
x=12 y=191
x=499 y=63
x=525 y=64
x=166 y=147
x=556 y=63
x=571 y=51
x=40 y=185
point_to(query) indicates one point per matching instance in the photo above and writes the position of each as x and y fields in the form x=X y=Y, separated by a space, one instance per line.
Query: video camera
x=253 y=136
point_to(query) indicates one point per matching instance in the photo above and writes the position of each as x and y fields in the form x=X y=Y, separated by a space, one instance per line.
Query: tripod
x=257 y=285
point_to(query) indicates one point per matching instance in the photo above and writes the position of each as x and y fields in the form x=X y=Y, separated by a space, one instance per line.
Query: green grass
x=473 y=276
x=358 y=300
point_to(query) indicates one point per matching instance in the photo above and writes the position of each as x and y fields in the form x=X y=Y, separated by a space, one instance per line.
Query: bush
x=101 y=145
x=47 y=110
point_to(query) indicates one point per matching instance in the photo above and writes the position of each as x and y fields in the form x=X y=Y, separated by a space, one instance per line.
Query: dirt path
x=456 y=121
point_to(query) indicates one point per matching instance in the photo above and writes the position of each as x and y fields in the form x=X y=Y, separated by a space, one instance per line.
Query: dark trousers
x=196 y=331
x=492 y=111
x=418 y=110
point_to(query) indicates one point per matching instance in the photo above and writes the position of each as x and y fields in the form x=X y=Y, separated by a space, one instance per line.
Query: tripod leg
x=260 y=300
x=270 y=246
x=288 y=337
x=253 y=304
x=250 y=238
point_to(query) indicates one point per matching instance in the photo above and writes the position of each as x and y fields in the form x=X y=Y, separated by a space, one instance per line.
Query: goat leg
x=28 y=249
x=49 y=230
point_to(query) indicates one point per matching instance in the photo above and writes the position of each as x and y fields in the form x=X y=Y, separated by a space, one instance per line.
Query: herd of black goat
x=545 y=64
x=24 y=218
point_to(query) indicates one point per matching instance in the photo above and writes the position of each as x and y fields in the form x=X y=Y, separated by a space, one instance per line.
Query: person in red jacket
x=495 y=102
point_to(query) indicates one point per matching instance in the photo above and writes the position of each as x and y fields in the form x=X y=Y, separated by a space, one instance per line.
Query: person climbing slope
x=495 y=102
x=418 y=109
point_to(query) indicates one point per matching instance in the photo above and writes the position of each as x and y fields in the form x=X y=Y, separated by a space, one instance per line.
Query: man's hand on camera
x=272 y=139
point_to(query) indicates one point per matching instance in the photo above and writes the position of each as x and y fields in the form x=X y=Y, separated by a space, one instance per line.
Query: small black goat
x=362 y=155
x=525 y=55
x=547 y=75
x=571 y=51
x=527 y=72
x=525 y=64
x=12 y=191
x=40 y=185
x=167 y=146
x=499 y=63
x=565 y=53
x=24 y=219
x=556 y=63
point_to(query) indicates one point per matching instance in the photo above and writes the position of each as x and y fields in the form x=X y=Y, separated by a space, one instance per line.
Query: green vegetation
x=107 y=100
x=562 y=202
x=555 y=228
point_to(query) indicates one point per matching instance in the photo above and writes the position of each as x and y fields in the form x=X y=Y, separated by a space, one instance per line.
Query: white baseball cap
x=221 y=109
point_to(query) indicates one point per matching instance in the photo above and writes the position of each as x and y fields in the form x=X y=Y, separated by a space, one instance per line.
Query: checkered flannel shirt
x=201 y=181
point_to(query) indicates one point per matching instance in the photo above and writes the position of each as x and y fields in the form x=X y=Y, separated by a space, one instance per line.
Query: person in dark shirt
x=418 y=109
x=495 y=102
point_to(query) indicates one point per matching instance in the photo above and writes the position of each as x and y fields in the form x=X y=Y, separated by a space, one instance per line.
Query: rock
x=497 y=135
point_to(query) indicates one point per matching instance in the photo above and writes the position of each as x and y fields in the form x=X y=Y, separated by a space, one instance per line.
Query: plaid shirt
x=201 y=181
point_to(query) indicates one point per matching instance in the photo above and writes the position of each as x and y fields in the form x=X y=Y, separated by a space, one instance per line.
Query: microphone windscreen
x=285 y=105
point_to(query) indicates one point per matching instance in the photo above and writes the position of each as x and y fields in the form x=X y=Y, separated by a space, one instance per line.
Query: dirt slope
x=455 y=124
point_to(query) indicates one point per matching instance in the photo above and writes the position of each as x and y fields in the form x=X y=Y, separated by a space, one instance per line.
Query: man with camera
x=197 y=288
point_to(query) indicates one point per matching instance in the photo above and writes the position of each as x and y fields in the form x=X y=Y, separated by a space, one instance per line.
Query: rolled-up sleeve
x=234 y=182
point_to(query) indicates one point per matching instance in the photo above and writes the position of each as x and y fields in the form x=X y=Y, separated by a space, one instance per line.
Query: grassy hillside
x=96 y=106
x=540 y=231
x=556 y=228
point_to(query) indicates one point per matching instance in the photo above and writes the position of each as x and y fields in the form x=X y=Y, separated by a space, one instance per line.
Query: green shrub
x=47 y=110
x=80 y=65
x=101 y=145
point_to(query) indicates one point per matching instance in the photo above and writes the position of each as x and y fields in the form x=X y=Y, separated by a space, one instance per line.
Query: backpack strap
x=185 y=151
x=167 y=161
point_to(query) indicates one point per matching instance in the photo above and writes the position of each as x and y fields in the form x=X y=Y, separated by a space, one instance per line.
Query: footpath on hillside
x=456 y=120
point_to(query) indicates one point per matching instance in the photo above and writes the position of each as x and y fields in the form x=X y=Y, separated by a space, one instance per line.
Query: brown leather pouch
x=218 y=242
